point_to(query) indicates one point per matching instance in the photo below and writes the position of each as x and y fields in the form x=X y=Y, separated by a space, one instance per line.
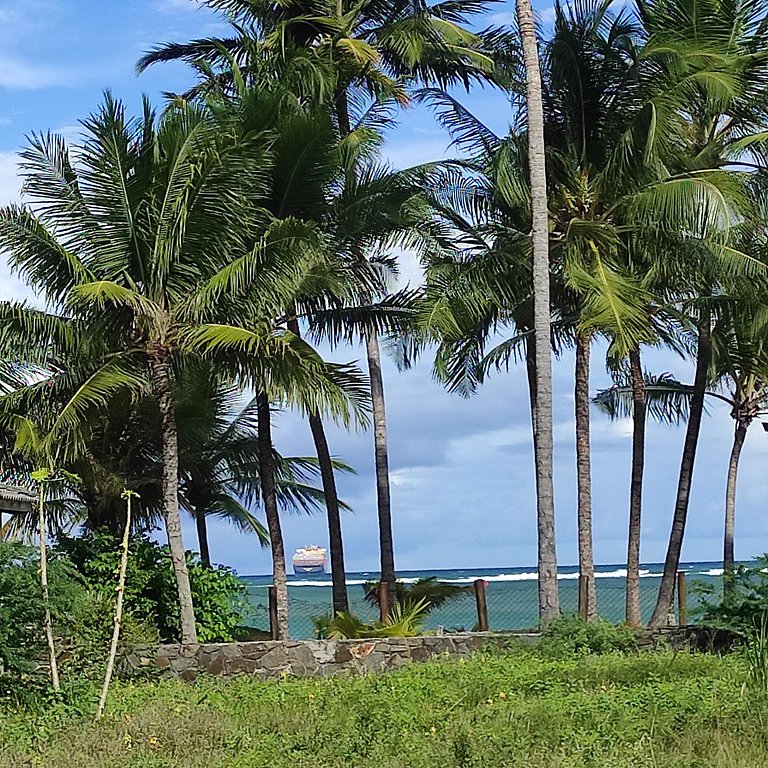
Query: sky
x=461 y=470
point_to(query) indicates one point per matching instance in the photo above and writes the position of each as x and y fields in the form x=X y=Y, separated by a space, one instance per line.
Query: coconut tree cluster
x=191 y=263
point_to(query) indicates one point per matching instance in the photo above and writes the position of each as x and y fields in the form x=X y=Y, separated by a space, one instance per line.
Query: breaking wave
x=619 y=573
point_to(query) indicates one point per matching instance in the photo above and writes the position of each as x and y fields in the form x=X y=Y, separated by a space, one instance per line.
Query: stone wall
x=318 y=658
x=271 y=658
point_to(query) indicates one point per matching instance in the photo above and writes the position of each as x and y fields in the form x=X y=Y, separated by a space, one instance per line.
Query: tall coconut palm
x=601 y=199
x=153 y=243
x=373 y=50
x=738 y=376
x=549 y=599
x=708 y=53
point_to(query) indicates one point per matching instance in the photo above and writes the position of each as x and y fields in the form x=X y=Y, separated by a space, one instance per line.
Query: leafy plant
x=79 y=620
x=756 y=653
x=568 y=635
x=742 y=605
x=431 y=592
x=404 y=620
x=150 y=591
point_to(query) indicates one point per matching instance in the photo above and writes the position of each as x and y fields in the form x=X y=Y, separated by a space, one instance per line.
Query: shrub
x=756 y=654
x=572 y=635
x=81 y=623
x=403 y=621
x=150 y=593
x=742 y=604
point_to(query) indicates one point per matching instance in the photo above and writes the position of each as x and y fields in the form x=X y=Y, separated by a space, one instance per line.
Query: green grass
x=514 y=709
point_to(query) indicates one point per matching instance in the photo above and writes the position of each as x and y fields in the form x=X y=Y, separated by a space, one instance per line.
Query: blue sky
x=462 y=470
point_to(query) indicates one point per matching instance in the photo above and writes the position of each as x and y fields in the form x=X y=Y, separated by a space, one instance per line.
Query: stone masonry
x=320 y=658
x=317 y=658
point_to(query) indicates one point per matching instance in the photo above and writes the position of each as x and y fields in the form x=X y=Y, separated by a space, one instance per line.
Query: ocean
x=511 y=593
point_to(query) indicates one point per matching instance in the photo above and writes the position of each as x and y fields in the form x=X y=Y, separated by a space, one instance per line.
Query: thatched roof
x=16 y=499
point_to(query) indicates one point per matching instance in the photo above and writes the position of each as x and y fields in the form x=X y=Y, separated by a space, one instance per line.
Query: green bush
x=150 y=592
x=741 y=605
x=569 y=635
x=81 y=622
x=22 y=643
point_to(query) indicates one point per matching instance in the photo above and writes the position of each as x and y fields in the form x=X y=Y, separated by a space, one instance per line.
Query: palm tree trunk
x=386 y=545
x=342 y=113
x=47 y=621
x=269 y=498
x=549 y=599
x=667 y=588
x=328 y=477
x=584 y=476
x=739 y=435
x=633 y=612
x=161 y=380
x=201 y=523
x=530 y=371
x=335 y=539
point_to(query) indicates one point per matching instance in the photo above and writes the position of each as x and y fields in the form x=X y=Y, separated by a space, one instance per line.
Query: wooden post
x=274 y=632
x=482 y=605
x=383 y=601
x=682 y=599
x=583 y=597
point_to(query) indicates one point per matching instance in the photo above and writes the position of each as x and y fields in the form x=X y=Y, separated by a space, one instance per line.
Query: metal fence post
x=273 y=612
x=383 y=601
x=482 y=605
x=682 y=599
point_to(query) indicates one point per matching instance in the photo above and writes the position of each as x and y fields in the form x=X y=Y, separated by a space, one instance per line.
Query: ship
x=310 y=559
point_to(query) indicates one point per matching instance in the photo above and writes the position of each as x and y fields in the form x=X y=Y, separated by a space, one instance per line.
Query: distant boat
x=310 y=560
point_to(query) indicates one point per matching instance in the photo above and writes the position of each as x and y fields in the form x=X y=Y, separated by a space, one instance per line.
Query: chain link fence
x=509 y=607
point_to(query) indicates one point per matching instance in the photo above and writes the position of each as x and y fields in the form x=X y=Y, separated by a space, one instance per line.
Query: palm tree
x=371 y=50
x=704 y=51
x=137 y=243
x=219 y=459
x=740 y=356
x=549 y=599
x=601 y=198
x=738 y=376
x=590 y=101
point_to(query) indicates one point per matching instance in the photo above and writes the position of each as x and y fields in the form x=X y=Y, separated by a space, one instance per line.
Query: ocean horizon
x=511 y=594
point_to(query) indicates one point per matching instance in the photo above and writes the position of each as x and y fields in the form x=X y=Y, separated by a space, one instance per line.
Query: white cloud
x=26 y=14
x=21 y=75
x=506 y=18
x=9 y=178
x=10 y=286
x=72 y=134
x=173 y=6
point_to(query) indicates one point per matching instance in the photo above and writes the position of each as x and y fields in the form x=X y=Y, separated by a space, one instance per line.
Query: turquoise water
x=512 y=598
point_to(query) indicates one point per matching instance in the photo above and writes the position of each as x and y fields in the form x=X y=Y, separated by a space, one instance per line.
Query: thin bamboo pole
x=42 y=477
x=128 y=496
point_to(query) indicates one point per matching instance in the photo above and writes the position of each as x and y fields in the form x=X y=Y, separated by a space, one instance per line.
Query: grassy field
x=514 y=709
